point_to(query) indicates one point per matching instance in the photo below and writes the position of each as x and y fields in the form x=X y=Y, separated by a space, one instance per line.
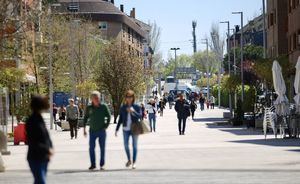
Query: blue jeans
x=126 y=136
x=101 y=135
x=152 y=121
x=39 y=171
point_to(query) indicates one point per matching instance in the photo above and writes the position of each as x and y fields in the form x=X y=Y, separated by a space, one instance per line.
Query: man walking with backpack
x=182 y=108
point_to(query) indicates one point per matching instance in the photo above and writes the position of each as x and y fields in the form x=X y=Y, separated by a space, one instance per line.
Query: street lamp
x=242 y=52
x=220 y=55
x=207 y=67
x=50 y=66
x=228 y=55
x=234 y=62
x=175 y=72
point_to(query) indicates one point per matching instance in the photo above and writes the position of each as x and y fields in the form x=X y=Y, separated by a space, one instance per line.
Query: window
x=103 y=25
x=294 y=40
x=271 y=19
x=299 y=38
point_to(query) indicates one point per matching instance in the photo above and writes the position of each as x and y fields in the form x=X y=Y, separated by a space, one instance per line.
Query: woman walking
x=151 y=109
x=40 y=147
x=193 y=108
x=130 y=113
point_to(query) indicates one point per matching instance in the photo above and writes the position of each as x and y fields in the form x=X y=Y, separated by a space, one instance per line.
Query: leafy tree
x=117 y=72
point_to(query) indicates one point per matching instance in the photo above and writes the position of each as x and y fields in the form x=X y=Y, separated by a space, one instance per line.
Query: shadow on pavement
x=272 y=142
x=234 y=130
x=207 y=120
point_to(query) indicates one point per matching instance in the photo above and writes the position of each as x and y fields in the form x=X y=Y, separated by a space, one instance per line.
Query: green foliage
x=11 y=78
x=85 y=88
x=232 y=83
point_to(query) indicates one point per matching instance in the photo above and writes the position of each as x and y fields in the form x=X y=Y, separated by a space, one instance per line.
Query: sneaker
x=102 y=168
x=128 y=164
x=133 y=166
x=92 y=168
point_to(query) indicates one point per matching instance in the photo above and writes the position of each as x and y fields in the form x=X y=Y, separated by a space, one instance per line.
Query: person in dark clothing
x=202 y=102
x=143 y=111
x=170 y=100
x=183 y=111
x=62 y=113
x=55 y=110
x=40 y=148
x=193 y=107
x=130 y=114
x=161 y=105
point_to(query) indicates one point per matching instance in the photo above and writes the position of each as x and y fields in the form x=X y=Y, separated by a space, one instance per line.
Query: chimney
x=122 y=8
x=132 y=13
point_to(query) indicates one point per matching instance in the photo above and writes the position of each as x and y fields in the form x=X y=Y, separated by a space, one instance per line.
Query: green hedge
x=249 y=100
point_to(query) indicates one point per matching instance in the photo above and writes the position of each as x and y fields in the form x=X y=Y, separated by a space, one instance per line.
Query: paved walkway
x=206 y=154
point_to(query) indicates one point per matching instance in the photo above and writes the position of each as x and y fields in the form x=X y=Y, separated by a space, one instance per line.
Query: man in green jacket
x=98 y=116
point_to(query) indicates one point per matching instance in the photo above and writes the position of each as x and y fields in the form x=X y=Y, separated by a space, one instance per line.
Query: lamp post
x=229 y=62
x=175 y=51
x=50 y=63
x=207 y=68
x=242 y=52
x=220 y=55
x=234 y=62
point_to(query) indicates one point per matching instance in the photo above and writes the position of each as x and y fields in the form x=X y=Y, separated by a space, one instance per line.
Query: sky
x=175 y=18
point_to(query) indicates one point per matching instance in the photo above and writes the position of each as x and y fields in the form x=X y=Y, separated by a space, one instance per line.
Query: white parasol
x=281 y=103
x=297 y=85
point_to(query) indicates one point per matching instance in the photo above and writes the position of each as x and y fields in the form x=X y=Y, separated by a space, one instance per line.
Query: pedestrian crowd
x=98 y=116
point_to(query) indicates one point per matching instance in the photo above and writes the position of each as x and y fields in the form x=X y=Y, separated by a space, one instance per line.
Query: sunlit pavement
x=206 y=154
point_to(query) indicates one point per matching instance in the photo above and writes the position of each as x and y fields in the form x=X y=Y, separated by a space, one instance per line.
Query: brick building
x=293 y=34
x=277 y=13
x=113 y=22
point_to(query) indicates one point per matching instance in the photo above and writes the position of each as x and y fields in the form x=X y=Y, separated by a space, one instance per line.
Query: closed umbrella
x=281 y=103
x=297 y=85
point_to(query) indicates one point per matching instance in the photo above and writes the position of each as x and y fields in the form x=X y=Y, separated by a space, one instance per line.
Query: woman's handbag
x=139 y=128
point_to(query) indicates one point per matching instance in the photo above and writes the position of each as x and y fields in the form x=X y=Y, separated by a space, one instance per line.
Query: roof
x=102 y=11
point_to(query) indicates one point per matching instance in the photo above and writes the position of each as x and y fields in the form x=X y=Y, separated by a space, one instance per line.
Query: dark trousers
x=193 y=114
x=73 y=127
x=202 y=106
x=101 y=136
x=212 y=105
x=39 y=171
x=181 y=125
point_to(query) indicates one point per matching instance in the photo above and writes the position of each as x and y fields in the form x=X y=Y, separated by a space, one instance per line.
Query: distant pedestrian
x=54 y=111
x=183 y=112
x=212 y=102
x=143 y=111
x=72 y=112
x=130 y=113
x=207 y=104
x=193 y=108
x=170 y=100
x=40 y=148
x=98 y=115
x=62 y=113
x=161 y=107
x=202 y=101
x=152 y=109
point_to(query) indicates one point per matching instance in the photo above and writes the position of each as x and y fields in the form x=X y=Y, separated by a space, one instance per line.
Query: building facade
x=113 y=22
x=293 y=34
x=277 y=29
x=252 y=33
